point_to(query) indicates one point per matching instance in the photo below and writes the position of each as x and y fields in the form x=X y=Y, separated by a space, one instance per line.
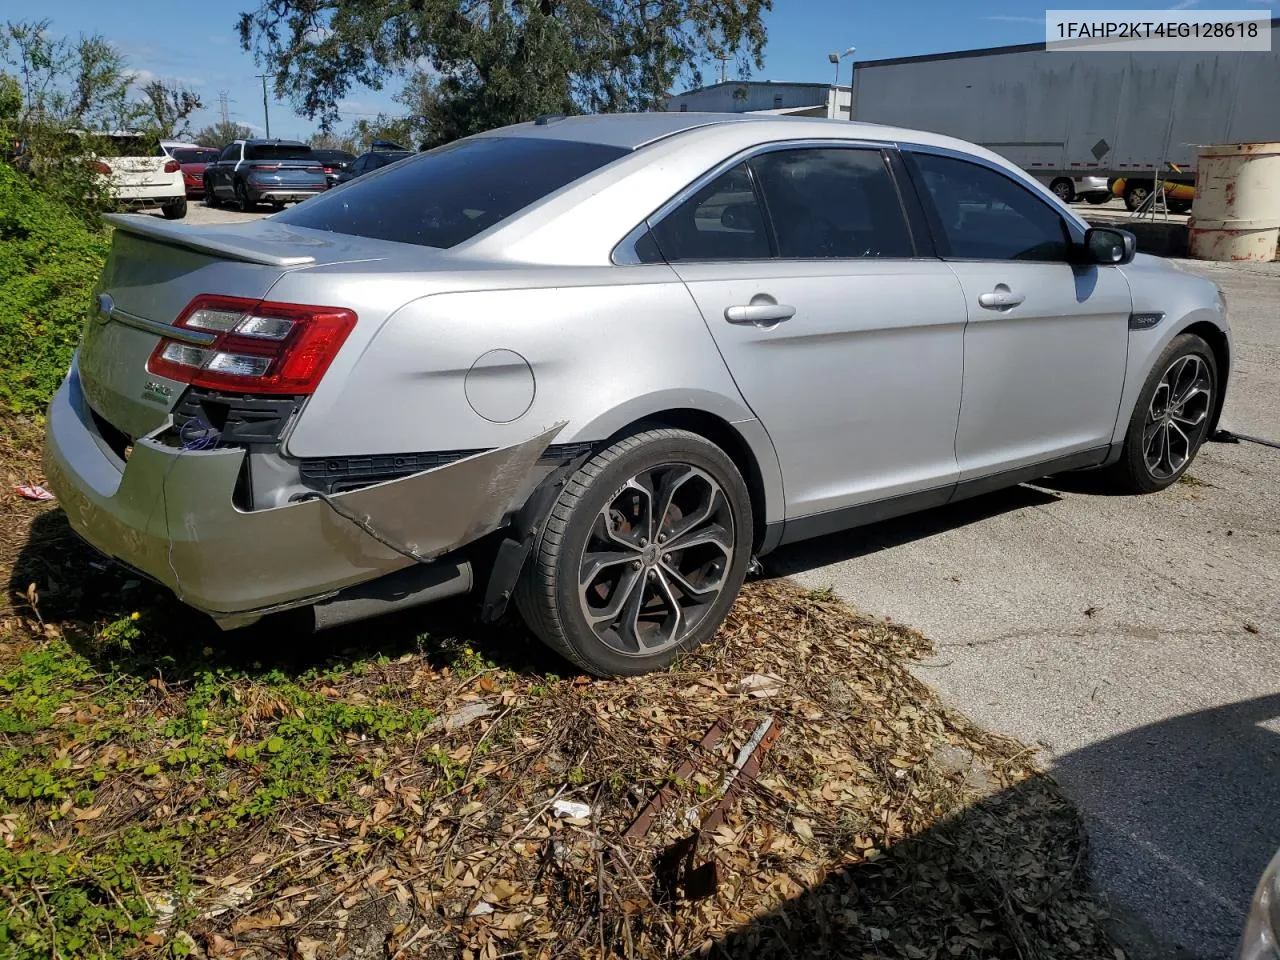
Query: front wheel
x=210 y=198
x=641 y=556
x=1135 y=194
x=176 y=210
x=1063 y=189
x=1171 y=419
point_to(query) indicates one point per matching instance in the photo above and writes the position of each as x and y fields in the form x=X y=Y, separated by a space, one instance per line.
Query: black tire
x=244 y=201
x=1136 y=193
x=1063 y=189
x=176 y=210
x=277 y=206
x=1179 y=206
x=210 y=198
x=1097 y=199
x=554 y=605
x=1134 y=472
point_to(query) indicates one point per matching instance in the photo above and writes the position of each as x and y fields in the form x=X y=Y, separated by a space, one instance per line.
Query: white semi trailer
x=1078 y=119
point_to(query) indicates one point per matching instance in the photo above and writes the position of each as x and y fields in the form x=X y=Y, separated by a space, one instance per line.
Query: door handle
x=1001 y=298
x=763 y=310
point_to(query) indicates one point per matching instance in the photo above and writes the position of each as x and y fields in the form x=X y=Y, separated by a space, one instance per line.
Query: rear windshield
x=450 y=194
x=276 y=151
x=195 y=156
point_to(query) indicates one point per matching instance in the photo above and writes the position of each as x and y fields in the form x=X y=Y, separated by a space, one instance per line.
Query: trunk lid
x=155 y=269
x=138 y=171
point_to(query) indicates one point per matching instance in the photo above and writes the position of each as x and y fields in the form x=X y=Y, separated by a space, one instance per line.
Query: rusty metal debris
x=676 y=871
x=659 y=801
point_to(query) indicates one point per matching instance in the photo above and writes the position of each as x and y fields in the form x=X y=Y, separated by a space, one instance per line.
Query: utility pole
x=724 y=68
x=266 y=116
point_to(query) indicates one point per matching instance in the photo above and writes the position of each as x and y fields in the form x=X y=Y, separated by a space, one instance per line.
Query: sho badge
x=156 y=392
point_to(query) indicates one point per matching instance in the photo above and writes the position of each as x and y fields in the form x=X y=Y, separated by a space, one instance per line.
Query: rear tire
x=245 y=202
x=1171 y=419
x=1179 y=206
x=1097 y=199
x=176 y=210
x=210 y=198
x=277 y=206
x=642 y=555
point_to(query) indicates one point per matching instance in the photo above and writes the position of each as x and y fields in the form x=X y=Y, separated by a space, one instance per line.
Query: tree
x=326 y=140
x=170 y=108
x=221 y=133
x=475 y=65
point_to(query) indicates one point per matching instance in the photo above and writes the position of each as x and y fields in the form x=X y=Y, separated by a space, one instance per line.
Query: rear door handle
x=762 y=310
x=1001 y=298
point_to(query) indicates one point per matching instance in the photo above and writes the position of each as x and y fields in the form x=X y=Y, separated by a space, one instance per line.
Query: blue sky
x=198 y=44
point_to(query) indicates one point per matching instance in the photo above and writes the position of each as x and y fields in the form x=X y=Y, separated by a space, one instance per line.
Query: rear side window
x=276 y=151
x=450 y=194
x=194 y=156
x=231 y=152
x=722 y=221
x=982 y=214
x=832 y=202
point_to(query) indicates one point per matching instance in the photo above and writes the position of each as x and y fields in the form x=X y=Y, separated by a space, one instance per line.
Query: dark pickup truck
x=249 y=172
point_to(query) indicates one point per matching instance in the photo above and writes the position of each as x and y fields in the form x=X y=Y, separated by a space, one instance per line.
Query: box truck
x=1080 y=119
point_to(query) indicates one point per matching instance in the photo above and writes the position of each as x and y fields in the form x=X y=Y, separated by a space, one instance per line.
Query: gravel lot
x=1134 y=639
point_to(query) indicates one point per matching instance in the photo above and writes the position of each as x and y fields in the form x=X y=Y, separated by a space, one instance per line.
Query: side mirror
x=1108 y=246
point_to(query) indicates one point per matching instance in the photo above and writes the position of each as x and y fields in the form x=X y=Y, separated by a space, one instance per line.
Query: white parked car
x=142 y=176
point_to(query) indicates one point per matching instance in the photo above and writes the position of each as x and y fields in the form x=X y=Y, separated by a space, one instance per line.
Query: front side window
x=448 y=195
x=231 y=153
x=983 y=214
x=722 y=221
x=829 y=202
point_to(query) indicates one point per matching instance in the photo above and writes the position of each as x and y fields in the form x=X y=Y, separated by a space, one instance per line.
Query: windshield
x=277 y=151
x=452 y=193
x=195 y=156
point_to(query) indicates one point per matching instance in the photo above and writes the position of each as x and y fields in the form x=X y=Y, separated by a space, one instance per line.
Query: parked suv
x=334 y=163
x=140 y=175
x=248 y=172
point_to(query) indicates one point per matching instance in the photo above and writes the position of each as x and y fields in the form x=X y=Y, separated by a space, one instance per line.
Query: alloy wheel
x=656 y=559
x=1178 y=416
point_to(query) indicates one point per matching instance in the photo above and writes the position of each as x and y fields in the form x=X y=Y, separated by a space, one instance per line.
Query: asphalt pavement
x=1135 y=639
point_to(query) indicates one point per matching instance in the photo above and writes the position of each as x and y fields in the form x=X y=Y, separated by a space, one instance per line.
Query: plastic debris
x=481 y=909
x=33 y=491
x=571 y=810
x=760 y=685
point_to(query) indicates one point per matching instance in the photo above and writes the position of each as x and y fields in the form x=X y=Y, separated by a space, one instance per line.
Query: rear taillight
x=173 y=166
x=271 y=167
x=99 y=167
x=328 y=169
x=255 y=346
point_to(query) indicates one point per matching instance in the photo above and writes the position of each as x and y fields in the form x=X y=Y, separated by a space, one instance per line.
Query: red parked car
x=193 y=160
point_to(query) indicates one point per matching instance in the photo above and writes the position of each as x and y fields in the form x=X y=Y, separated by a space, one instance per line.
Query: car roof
x=259 y=141
x=634 y=130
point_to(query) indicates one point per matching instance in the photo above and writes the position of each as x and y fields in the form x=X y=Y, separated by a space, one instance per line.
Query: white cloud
x=1184 y=4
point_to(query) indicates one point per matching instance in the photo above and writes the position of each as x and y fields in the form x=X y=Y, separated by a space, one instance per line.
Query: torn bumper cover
x=169 y=514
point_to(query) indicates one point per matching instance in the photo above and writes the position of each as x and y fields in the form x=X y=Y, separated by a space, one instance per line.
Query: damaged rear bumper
x=170 y=514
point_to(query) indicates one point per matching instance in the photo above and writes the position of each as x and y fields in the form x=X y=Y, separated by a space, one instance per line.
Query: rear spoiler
x=227 y=243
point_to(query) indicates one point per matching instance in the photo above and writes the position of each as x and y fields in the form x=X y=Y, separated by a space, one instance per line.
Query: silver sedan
x=597 y=365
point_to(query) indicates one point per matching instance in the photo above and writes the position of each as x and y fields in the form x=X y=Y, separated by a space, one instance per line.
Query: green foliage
x=474 y=68
x=221 y=133
x=50 y=259
x=169 y=109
